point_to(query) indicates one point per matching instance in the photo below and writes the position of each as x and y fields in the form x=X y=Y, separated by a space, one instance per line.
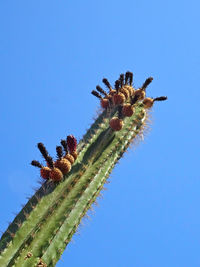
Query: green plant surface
x=41 y=231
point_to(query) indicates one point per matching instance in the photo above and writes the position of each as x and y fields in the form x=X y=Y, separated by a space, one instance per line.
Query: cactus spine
x=41 y=231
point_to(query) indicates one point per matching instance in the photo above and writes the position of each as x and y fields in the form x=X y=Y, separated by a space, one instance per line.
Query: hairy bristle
x=107 y=84
x=64 y=144
x=117 y=84
x=121 y=78
x=101 y=90
x=161 y=98
x=95 y=93
x=43 y=150
x=59 y=152
x=71 y=143
x=36 y=163
x=147 y=82
x=50 y=161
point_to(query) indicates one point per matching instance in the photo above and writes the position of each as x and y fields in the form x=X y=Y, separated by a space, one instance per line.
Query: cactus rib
x=44 y=227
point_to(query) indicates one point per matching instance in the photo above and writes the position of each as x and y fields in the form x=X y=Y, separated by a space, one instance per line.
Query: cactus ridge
x=48 y=187
x=46 y=224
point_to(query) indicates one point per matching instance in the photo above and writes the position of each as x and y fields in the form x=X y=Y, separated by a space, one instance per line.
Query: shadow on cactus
x=41 y=231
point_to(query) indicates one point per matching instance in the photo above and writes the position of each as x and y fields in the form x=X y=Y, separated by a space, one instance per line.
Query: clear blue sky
x=52 y=54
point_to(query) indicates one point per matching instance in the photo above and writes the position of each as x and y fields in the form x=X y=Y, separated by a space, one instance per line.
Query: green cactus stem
x=43 y=228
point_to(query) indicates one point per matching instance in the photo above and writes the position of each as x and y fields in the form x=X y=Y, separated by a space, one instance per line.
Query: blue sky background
x=52 y=54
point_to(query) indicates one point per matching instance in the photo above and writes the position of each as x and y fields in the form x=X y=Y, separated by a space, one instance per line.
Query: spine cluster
x=66 y=156
x=124 y=97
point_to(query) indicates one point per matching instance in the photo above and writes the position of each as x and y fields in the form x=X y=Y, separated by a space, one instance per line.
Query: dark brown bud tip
x=101 y=90
x=50 y=162
x=117 y=84
x=130 y=78
x=107 y=84
x=121 y=78
x=43 y=150
x=59 y=152
x=95 y=93
x=161 y=98
x=147 y=82
x=134 y=99
x=64 y=144
x=126 y=77
x=36 y=163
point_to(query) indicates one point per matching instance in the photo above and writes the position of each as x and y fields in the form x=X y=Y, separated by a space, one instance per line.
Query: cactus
x=43 y=228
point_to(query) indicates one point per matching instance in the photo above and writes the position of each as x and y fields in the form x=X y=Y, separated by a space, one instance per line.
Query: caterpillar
x=55 y=170
x=124 y=96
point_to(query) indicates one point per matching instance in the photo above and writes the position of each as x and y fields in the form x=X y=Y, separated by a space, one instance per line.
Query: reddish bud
x=127 y=110
x=70 y=158
x=116 y=124
x=56 y=175
x=130 y=89
x=45 y=172
x=104 y=103
x=64 y=165
x=75 y=155
x=148 y=102
x=119 y=99
x=125 y=92
x=140 y=93
x=71 y=143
